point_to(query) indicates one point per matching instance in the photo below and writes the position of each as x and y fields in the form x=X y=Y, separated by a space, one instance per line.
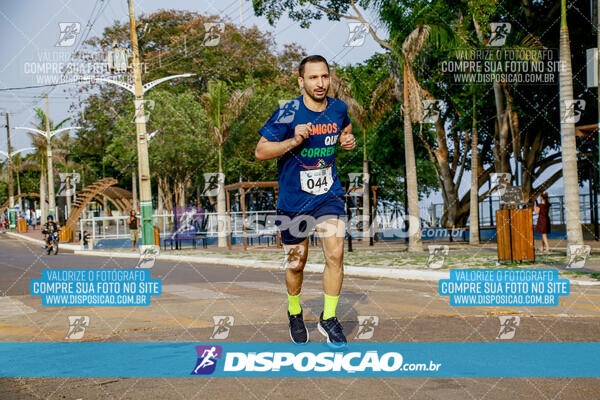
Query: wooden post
x=243 y=202
x=374 y=216
x=358 y=221
x=228 y=219
x=348 y=231
x=278 y=234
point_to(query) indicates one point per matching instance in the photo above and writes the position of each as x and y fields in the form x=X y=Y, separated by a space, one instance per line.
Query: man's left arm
x=347 y=140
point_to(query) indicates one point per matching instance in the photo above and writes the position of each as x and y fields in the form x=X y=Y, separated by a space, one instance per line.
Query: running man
x=302 y=135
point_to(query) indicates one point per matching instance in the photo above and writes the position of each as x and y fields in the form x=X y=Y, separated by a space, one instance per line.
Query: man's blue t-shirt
x=307 y=173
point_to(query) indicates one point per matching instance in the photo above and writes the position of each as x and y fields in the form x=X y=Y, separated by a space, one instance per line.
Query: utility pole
x=51 y=198
x=594 y=203
x=142 y=143
x=12 y=217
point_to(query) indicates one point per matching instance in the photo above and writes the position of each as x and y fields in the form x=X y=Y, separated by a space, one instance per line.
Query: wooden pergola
x=587 y=130
x=242 y=187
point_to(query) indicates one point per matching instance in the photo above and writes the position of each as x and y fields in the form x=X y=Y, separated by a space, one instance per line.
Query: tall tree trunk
x=474 y=200
x=161 y=204
x=414 y=239
x=567 y=134
x=166 y=193
x=221 y=206
x=501 y=150
x=451 y=202
x=180 y=193
x=366 y=200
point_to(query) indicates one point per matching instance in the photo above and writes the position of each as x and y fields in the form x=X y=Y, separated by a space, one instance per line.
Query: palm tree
x=413 y=111
x=38 y=160
x=364 y=115
x=568 y=145
x=223 y=108
x=474 y=196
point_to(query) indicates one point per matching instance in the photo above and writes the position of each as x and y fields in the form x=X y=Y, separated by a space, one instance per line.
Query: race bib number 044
x=316 y=181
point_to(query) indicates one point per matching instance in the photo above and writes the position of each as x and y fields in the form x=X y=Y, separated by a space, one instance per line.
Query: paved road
x=194 y=293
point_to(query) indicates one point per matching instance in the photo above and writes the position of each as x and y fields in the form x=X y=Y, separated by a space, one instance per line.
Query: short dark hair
x=545 y=197
x=314 y=58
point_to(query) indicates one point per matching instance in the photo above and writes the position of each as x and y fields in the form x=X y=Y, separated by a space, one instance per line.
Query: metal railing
x=115 y=227
x=262 y=222
x=257 y=223
x=488 y=208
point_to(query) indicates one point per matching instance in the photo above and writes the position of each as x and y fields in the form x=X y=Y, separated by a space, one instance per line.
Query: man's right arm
x=266 y=150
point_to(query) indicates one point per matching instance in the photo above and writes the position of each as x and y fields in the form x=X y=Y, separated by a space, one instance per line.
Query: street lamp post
x=48 y=134
x=138 y=89
x=12 y=218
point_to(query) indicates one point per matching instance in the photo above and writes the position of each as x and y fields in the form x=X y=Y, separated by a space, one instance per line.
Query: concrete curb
x=348 y=270
x=366 y=272
x=41 y=242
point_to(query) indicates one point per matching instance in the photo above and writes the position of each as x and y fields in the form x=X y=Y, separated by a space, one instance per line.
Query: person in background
x=543 y=223
x=133 y=223
x=50 y=227
x=86 y=238
x=200 y=218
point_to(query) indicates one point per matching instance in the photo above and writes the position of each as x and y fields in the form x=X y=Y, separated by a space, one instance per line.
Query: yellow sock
x=294 y=304
x=330 y=306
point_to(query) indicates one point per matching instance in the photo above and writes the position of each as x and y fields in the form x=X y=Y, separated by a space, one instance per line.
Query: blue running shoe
x=332 y=330
x=298 y=332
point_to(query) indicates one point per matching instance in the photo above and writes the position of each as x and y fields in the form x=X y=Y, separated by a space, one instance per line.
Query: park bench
x=269 y=234
x=463 y=235
x=178 y=241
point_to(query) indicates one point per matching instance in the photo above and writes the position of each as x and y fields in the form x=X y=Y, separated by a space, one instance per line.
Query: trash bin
x=65 y=234
x=157 y=237
x=514 y=232
x=22 y=225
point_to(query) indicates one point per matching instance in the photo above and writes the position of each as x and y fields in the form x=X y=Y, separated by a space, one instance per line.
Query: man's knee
x=335 y=258
x=295 y=256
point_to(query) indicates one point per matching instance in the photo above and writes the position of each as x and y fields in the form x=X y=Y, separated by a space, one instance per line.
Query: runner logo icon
x=287 y=112
x=508 y=326
x=366 y=326
x=77 y=326
x=437 y=256
x=207 y=359
x=223 y=324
